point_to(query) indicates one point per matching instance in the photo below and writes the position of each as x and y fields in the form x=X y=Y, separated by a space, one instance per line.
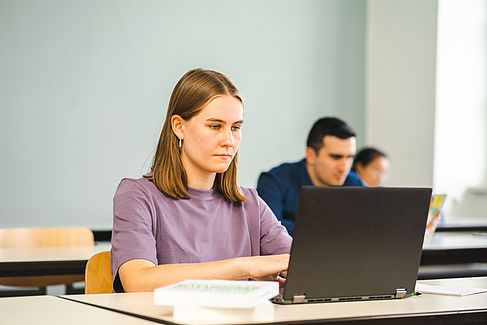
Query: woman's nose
x=228 y=138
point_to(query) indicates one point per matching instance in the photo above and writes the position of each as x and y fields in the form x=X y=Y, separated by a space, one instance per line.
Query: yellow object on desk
x=437 y=201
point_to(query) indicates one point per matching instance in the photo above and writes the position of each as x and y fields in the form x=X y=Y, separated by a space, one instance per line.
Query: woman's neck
x=201 y=183
x=197 y=177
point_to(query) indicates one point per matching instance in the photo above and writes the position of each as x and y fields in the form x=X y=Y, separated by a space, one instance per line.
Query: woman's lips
x=224 y=156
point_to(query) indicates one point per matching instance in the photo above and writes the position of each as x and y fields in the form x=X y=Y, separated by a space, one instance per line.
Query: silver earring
x=180 y=144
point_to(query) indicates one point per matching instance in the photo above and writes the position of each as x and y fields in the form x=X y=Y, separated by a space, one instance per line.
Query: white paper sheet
x=450 y=291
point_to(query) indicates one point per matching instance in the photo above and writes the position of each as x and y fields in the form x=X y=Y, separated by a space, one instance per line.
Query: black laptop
x=355 y=243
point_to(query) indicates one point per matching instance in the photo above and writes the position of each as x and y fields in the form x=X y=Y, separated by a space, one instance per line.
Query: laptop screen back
x=356 y=242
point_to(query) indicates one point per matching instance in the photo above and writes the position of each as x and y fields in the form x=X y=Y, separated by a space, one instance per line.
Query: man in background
x=329 y=155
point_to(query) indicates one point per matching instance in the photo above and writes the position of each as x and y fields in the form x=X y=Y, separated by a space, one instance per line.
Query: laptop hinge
x=299 y=299
x=401 y=293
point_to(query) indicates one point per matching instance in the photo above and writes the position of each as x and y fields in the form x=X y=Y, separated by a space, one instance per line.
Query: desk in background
x=47 y=260
x=445 y=249
x=463 y=224
x=455 y=248
x=450 y=254
x=424 y=309
x=453 y=255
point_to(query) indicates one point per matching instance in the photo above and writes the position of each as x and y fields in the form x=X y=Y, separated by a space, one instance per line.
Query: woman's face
x=375 y=172
x=211 y=138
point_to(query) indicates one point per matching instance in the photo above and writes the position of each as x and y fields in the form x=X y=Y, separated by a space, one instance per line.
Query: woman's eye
x=236 y=128
x=215 y=126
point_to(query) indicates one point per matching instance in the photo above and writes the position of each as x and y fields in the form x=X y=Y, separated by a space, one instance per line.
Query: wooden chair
x=98 y=274
x=43 y=237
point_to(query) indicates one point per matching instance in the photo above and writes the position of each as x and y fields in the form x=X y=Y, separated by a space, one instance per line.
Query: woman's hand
x=267 y=268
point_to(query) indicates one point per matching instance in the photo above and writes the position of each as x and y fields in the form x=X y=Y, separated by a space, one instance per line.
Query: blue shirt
x=280 y=187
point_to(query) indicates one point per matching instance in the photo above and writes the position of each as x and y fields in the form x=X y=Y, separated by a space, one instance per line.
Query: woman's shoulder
x=247 y=190
x=254 y=202
x=251 y=194
x=141 y=186
x=133 y=183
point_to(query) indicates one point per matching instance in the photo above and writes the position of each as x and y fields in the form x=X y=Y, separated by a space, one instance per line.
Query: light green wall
x=84 y=87
x=401 y=85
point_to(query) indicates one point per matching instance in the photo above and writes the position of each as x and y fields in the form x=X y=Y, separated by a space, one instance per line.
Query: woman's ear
x=177 y=125
x=359 y=167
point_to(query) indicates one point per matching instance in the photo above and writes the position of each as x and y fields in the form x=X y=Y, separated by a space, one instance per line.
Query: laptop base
x=401 y=293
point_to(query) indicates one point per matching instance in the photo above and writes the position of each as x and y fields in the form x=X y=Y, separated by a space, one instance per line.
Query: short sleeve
x=274 y=238
x=133 y=224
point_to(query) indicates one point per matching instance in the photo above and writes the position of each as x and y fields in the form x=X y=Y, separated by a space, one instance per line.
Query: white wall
x=84 y=87
x=461 y=114
x=400 y=86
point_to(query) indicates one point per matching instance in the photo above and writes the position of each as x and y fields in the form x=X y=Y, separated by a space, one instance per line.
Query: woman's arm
x=143 y=275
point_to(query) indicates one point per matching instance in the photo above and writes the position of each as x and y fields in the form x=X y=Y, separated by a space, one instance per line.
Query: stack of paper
x=216 y=293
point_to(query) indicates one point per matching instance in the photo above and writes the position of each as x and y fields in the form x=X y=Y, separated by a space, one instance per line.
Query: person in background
x=330 y=149
x=188 y=218
x=371 y=165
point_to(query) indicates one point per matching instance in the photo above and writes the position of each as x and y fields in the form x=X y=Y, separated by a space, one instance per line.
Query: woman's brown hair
x=196 y=89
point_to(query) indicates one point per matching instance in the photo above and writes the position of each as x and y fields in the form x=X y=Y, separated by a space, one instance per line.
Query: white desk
x=455 y=248
x=47 y=260
x=424 y=309
x=462 y=224
x=57 y=311
x=455 y=240
x=454 y=254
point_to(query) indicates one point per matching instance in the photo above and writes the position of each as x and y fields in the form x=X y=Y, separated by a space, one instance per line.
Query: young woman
x=188 y=218
x=371 y=165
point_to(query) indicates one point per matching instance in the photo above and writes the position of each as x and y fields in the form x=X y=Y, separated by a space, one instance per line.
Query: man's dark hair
x=365 y=156
x=327 y=126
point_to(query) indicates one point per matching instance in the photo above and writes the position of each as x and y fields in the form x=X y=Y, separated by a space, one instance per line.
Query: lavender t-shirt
x=150 y=225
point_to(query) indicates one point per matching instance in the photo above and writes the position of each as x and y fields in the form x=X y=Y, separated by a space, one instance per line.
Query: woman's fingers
x=268 y=267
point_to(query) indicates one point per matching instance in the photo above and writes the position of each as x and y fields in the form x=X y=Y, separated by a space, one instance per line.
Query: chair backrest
x=44 y=237
x=98 y=274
